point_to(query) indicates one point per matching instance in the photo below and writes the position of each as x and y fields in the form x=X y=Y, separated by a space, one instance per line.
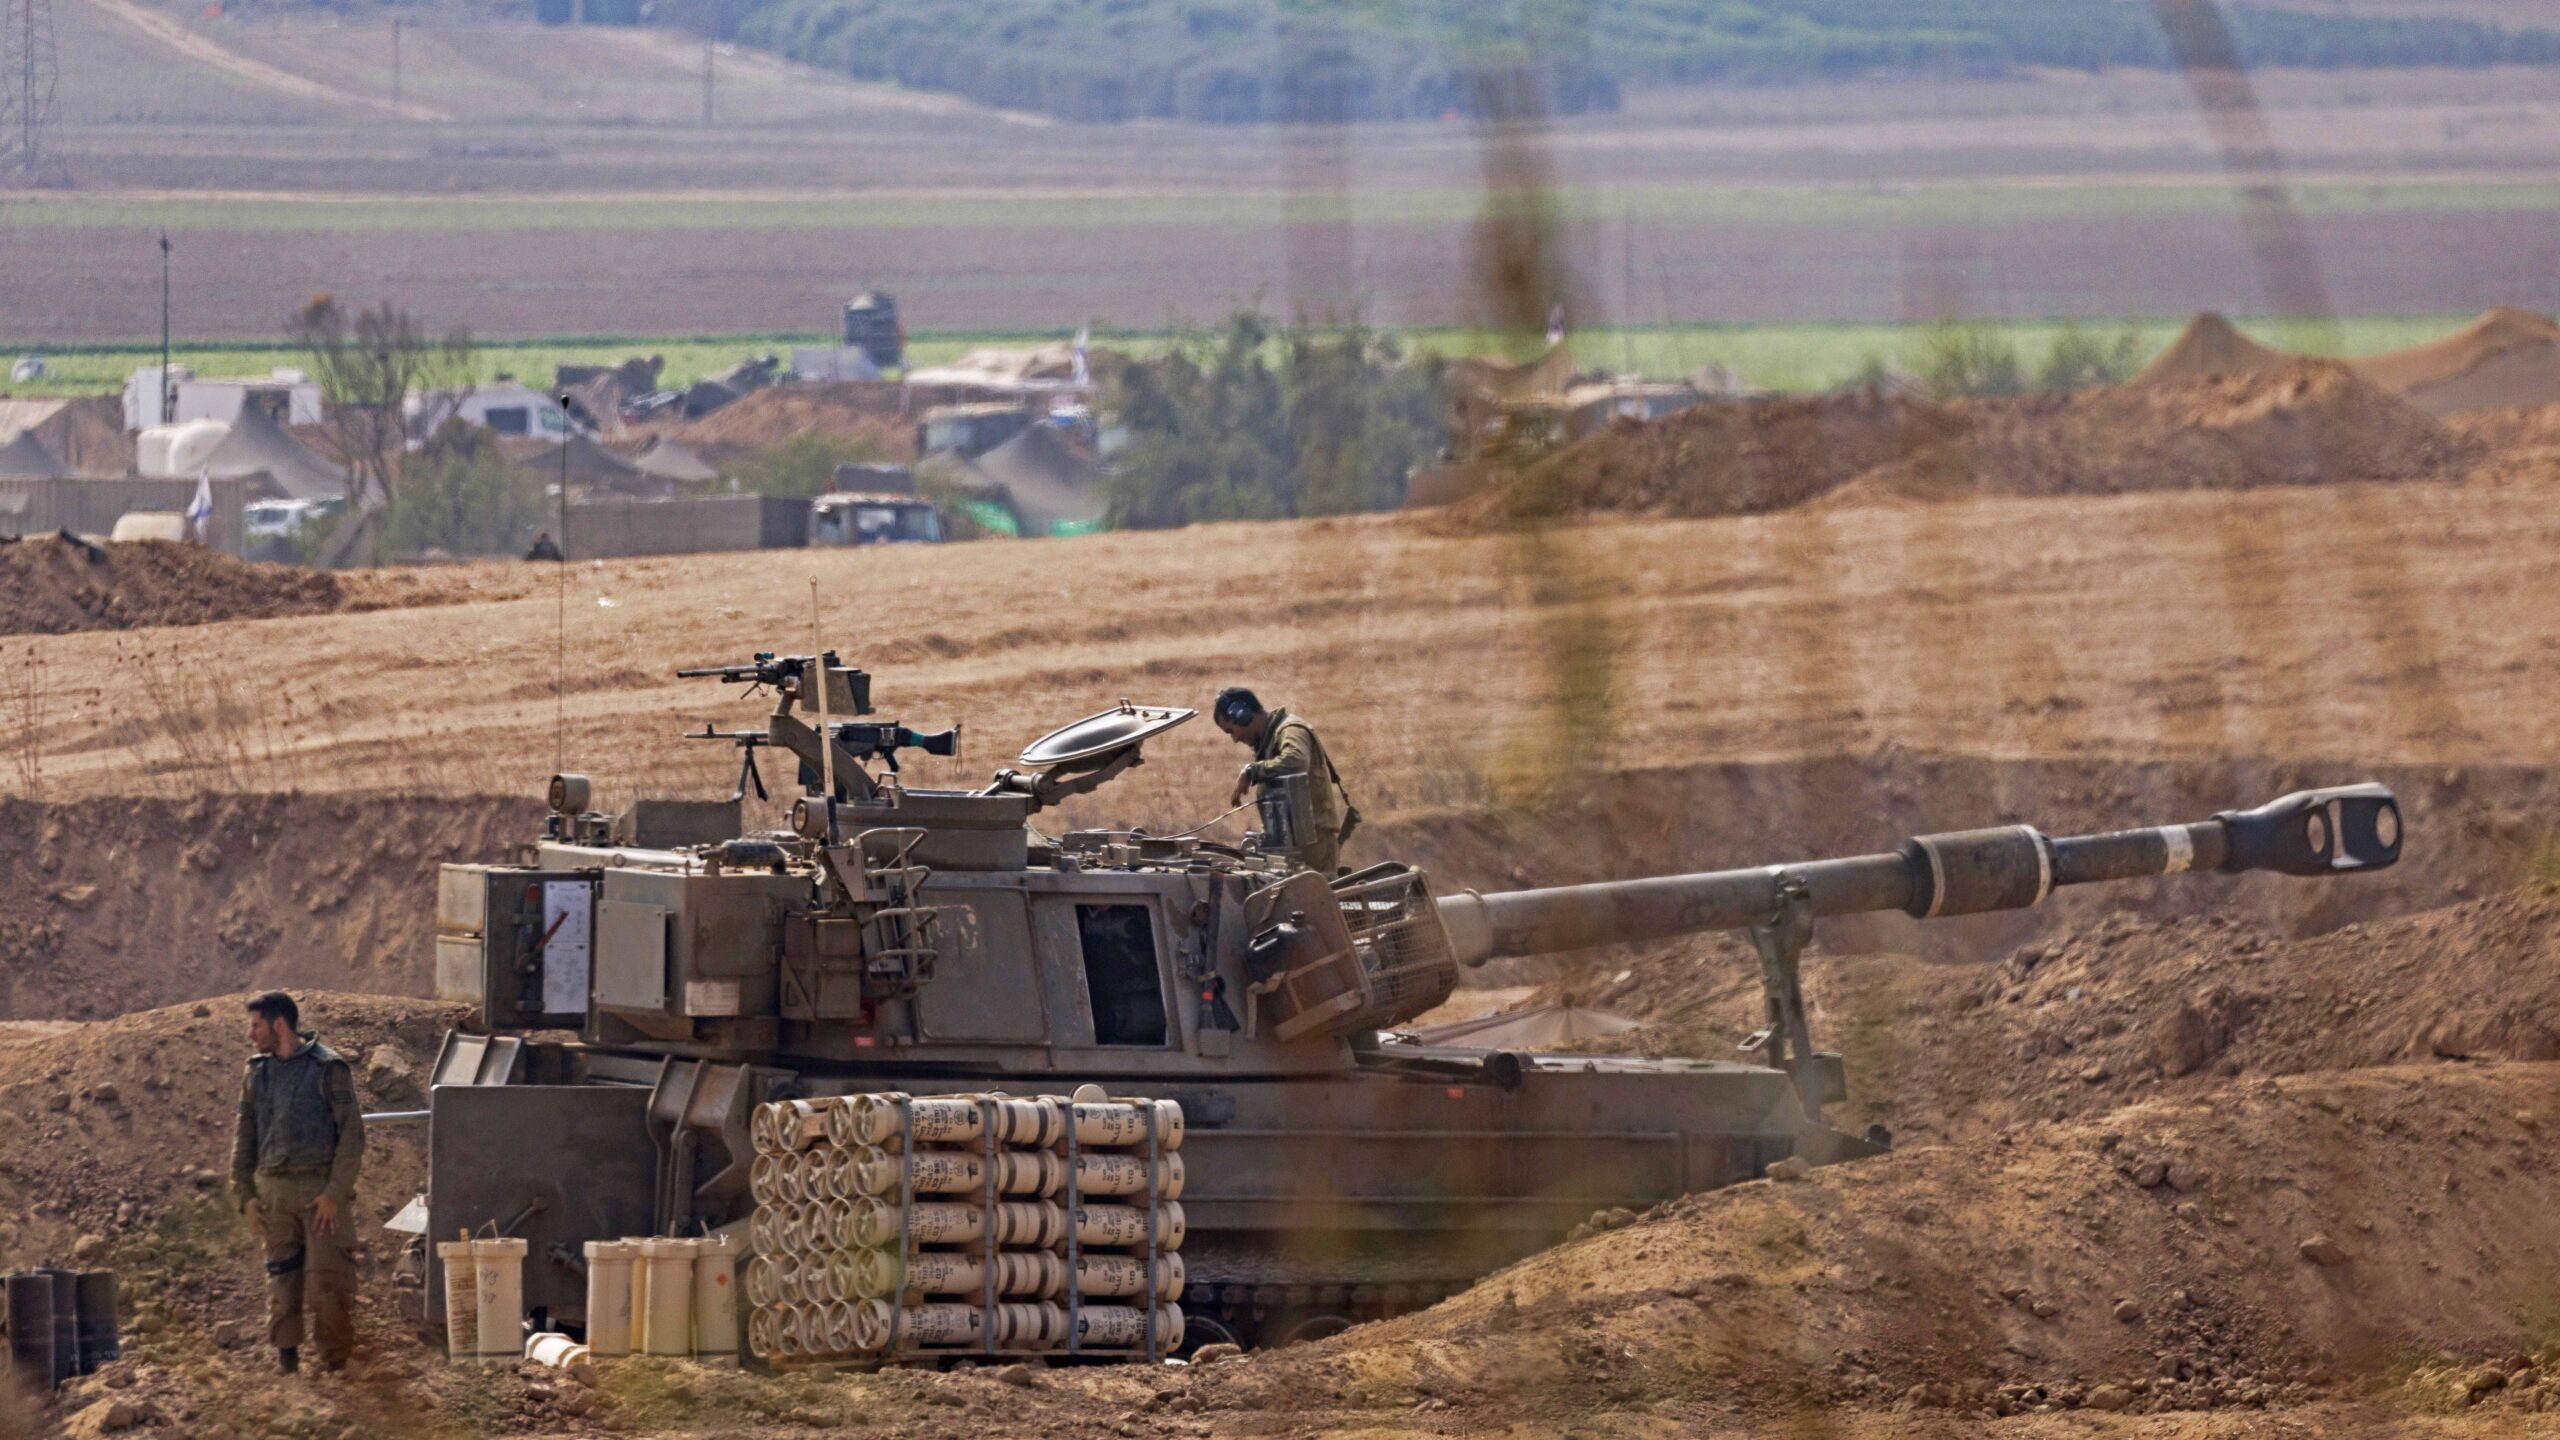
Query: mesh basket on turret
x=1363 y=953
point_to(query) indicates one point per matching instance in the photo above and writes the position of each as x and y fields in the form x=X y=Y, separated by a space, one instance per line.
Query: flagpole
x=168 y=390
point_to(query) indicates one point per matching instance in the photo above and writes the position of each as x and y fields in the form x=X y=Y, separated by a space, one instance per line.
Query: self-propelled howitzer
x=641 y=981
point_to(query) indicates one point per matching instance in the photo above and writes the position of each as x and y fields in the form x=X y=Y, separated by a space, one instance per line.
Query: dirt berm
x=121 y=904
x=2311 y=422
x=2256 y=1248
x=53 y=586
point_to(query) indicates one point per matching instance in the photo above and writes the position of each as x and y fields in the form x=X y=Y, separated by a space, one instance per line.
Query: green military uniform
x=301 y=1136
x=1289 y=747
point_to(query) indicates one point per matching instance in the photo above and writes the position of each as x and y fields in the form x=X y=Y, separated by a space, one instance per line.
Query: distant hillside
x=1260 y=60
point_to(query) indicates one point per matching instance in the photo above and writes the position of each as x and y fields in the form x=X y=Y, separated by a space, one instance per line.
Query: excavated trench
x=108 y=906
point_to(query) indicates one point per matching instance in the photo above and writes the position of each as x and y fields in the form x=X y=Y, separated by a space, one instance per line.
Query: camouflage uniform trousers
x=305 y=1265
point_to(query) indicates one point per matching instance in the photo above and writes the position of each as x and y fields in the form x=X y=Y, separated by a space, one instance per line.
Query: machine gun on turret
x=803 y=705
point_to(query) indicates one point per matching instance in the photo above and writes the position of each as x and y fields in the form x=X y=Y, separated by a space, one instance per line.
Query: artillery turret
x=641 y=982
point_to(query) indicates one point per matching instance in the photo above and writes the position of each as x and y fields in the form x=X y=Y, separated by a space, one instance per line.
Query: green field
x=1846 y=206
x=1779 y=357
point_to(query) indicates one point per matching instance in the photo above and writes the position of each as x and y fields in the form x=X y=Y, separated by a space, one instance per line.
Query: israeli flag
x=1082 y=374
x=200 y=509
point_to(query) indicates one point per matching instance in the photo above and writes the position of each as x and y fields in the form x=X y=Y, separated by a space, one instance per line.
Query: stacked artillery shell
x=978 y=1224
x=1126 y=1261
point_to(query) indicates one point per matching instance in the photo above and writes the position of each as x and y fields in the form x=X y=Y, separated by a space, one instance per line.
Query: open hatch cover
x=1122 y=728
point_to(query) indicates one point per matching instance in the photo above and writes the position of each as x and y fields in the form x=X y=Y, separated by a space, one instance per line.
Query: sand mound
x=1718 y=458
x=50 y=586
x=2505 y=358
x=2496 y=334
x=2272 y=1243
x=2211 y=347
x=856 y=411
x=2311 y=423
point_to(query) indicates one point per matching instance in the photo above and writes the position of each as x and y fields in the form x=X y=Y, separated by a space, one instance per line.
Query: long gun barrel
x=2309 y=833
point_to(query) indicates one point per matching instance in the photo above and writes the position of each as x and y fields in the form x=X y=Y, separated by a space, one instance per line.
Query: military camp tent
x=24 y=457
x=257 y=446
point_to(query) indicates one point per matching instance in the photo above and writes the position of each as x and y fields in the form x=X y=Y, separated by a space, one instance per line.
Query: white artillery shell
x=1124 y=1327
x=1114 y=1173
x=1124 y=1122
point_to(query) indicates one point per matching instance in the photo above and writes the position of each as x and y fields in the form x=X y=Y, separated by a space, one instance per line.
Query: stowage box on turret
x=642 y=982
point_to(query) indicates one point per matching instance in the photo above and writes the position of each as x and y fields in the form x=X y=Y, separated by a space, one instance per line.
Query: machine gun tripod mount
x=811 y=692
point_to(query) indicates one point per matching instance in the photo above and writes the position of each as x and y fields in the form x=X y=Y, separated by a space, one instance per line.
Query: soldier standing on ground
x=1285 y=744
x=293 y=1173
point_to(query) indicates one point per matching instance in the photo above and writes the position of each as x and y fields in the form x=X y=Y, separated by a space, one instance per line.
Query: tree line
x=1257 y=420
x=1240 y=61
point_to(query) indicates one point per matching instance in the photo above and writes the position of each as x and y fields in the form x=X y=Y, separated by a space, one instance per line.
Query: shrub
x=1958 y=358
x=2082 y=360
x=1257 y=421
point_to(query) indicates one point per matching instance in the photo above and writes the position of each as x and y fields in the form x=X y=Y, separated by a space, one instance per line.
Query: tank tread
x=1262 y=1315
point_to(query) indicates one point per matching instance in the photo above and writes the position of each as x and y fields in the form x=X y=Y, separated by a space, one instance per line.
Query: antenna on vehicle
x=826 y=729
x=560 y=632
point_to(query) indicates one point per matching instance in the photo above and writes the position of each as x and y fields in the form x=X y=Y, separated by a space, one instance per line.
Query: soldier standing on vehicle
x=1285 y=744
x=293 y=1173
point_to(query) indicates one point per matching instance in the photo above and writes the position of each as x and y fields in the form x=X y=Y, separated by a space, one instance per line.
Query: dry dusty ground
x=2371 y=623
x=2195 y=1160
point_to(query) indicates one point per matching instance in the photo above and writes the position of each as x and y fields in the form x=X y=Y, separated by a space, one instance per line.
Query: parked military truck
x=641 y=981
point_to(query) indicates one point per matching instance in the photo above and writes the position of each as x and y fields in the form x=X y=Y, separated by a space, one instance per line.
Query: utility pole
x=709 y=46
x=168 y=387
x=27 y=76
x=395 y=62
x=568 y=431
x=27 y=88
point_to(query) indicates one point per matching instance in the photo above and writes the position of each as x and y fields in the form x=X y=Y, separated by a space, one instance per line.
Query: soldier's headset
x=1236 y=709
